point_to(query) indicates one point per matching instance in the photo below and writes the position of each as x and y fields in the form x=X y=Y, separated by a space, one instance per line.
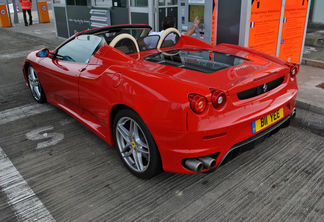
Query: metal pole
x=67 y=21
x=283 y=6
x=156 y=14
x=53 y=11
x=16 y=20
x=129 y=12
x=305 y=31
x=9 y=12
x=37 y=11
x=245 y=23
x=215 y=23
x=150 y=13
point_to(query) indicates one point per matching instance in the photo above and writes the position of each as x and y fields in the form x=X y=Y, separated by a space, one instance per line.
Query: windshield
x=79 y=49
x=200 y=60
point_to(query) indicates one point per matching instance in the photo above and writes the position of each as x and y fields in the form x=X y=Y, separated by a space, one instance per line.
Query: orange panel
x=264 y=25
x=4 y=17
x=43 y=12
x=293 y=30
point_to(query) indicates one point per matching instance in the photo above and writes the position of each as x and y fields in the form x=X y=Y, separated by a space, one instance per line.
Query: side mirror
x=43 y=53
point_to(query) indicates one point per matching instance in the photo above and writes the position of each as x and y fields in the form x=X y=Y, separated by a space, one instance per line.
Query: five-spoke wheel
x=135 y=144
x=35 y=86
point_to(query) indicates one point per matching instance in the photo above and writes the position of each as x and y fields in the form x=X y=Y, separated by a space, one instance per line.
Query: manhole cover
x=321 y=85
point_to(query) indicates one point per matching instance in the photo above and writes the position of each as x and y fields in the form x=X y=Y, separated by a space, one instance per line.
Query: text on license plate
x=267 y=120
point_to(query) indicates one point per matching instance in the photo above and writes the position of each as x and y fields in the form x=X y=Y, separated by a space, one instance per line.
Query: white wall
x=318 y=11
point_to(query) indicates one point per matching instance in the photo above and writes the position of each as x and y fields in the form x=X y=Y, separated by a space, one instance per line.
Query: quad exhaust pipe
x=194 y=165
x=208 y=162
x=200 y=163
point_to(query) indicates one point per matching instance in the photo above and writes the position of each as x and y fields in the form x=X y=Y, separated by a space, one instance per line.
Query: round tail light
x=218 y=98
x=198 y=103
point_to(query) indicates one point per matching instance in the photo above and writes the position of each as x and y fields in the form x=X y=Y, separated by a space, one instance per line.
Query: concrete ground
x=43 y=30
x=53 y=168
x=314 y=48
x=314 y=53
x=310 y=91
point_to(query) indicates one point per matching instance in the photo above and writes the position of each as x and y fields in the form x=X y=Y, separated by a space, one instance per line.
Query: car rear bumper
x=284 y=122
x=218 y=142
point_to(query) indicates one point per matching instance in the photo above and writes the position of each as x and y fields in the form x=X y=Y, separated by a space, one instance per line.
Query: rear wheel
x=35 y=85
x=135 y=144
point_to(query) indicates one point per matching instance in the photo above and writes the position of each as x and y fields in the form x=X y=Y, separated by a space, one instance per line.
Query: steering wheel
x=165 y=34
x=122 y=36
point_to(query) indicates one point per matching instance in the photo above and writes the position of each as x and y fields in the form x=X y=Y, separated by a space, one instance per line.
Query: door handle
x=82 y=69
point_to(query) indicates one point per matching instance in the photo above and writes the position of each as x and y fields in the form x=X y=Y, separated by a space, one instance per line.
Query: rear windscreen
x=200 y=60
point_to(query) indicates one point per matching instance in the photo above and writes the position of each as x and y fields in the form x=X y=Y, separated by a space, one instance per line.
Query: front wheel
x=136 y=145
x=35 y=85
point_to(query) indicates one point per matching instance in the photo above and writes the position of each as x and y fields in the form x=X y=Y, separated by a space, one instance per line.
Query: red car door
x=96 y=87
x=61 y=73
x=61 y=81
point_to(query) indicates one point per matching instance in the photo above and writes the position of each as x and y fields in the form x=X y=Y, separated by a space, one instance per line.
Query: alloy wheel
x=132 y=144
x=34 y=84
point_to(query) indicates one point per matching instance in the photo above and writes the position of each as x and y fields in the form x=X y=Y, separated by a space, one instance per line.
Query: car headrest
x=165 y=34
x=122 y=43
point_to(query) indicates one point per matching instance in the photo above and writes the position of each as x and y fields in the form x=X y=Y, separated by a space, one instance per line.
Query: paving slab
x=310 y=96
x=309 y=120
x=313 y=54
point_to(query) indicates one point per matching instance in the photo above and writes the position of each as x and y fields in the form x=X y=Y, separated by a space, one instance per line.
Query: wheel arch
x=115 y=109
x=25 y=68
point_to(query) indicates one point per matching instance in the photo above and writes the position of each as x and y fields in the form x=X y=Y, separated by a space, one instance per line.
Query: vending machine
x=205 y=10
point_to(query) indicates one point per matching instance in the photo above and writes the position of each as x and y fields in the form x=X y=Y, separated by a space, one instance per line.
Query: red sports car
x=166 y=102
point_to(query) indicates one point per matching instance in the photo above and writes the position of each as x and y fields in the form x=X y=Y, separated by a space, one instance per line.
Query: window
x=76 y=2
x=139 y=3
x=167 y=2
x=101 y=3
x=120 y=3
x=80 y=49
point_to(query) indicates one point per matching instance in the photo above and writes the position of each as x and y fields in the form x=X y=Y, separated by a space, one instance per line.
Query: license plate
x=267 y=120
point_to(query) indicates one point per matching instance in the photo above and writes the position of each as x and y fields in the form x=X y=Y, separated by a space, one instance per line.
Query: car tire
x=135 y=144
x=35 y=86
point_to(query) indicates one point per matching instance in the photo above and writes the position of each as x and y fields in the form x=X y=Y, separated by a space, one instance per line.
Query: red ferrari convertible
x=168 y=102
